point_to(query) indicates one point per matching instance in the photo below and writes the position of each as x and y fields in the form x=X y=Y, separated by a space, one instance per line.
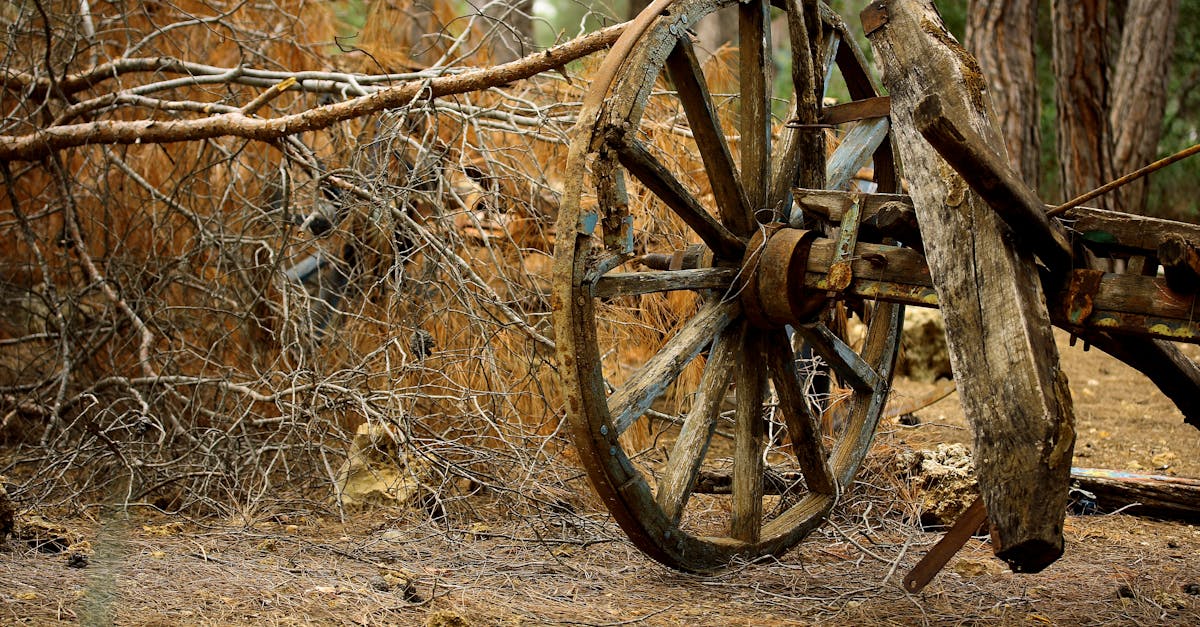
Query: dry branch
x=45 y=141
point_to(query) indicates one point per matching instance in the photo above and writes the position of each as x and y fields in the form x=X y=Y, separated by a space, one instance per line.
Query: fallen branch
x=43 y=142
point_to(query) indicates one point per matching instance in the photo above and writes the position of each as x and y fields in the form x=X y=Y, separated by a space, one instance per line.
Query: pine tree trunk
x=511 y=32
x=1002 y=35
x=1081 y=94
x=1139 y=91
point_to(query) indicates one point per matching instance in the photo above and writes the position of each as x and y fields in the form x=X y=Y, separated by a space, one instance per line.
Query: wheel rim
x=602 y=311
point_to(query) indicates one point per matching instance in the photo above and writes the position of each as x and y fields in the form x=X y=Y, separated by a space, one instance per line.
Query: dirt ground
x=575 y=567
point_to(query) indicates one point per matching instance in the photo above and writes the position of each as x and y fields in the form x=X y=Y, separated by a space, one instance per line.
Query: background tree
x=1082 y=96
x=1139 y=91
x=511 y=30
x=1003 y=36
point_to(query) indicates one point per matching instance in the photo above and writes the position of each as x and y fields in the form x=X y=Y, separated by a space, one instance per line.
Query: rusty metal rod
x=1124 y=180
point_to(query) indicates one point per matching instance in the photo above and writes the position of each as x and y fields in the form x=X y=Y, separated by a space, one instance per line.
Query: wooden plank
x=993 y=179
x=854 y=152
x=866 y=109
x=1124 y=231
x=1151 y=495
x=685 y=72
x=997 y=326
x=747 y=483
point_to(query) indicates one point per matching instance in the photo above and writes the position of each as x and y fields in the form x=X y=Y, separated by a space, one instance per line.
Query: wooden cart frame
x=777 y=256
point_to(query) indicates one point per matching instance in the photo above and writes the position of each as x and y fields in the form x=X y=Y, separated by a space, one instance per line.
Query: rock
x=379 y=471
x=445 y=618
x=923 y=354
x=7 y=513
x=45 y=536
x=945 y=482
x=1169 y=601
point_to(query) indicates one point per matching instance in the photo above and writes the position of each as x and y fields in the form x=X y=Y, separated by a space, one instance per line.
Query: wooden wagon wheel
x=631 y=197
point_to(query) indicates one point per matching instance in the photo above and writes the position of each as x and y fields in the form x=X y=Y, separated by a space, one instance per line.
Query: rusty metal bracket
x=1080 y=297
x=840 y=271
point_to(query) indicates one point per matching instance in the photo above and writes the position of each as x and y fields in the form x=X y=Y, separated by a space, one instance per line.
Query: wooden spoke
x=746 y=518
x=662 y=183
x=710 y=139
x=651 y=380
x=755 y=118
x=802 y=426
x=855 y=151
x=675 y=484
x=636 y=283
x=800 y=155
x=849 y=366
x=833 y=39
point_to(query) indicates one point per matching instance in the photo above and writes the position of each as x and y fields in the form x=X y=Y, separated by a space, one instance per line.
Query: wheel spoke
x=800 y=154
x=651 y=380
x=659 y=180
x=880 y=347
x=848 y=365
x=755 y=118
x=802 y=427
x=675 y=485
x=860 y=142
x=746 y=521
x=636 y=283
x=833 y=39
x=710 y=138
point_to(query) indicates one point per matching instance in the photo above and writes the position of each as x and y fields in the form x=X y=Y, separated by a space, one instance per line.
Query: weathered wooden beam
x=1124 y=232
x=1172 y=372
x=1107 y=230
x=1153 y=495
x=990 y=176
x=1180 y=262
x=997 y=325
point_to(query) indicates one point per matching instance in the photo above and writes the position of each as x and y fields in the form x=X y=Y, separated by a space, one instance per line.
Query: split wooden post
x=997 y=326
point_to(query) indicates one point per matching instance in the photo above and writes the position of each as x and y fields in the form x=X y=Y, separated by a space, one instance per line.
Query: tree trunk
x=635 y=7
x=1003 y=36
x=716 y=30
x=1139 y=92
x=510 y=31
x=1081 y=94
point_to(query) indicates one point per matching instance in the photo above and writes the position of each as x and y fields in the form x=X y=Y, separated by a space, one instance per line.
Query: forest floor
x=576 y=568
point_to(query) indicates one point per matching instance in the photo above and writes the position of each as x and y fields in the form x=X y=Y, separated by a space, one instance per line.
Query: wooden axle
x=790 y=279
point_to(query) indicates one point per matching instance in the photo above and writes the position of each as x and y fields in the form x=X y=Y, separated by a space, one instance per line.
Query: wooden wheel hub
x=774 y=293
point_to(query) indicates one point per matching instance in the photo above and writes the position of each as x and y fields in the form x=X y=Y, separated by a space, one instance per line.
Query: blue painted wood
x=854 y=152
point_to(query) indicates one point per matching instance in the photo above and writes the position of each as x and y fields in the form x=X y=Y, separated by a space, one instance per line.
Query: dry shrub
x=158 y=345
x=204 y=325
